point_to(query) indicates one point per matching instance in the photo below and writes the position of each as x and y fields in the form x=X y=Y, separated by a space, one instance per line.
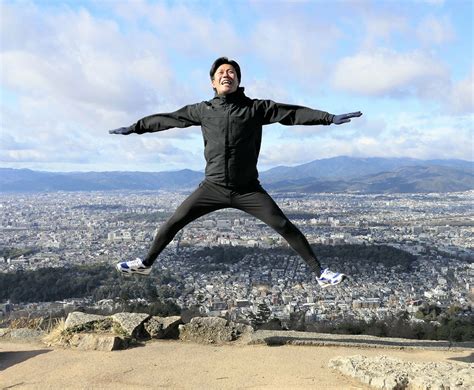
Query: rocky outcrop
x=131 y=323
x=22 y=334
x=97 y=342
x=79 y=320
x=214 y=330
x=386 y=373
x=107 y=333
x=163 y=327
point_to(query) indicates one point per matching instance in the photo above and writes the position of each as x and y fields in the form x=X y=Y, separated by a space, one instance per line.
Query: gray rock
x=26 y=333
x=242 y=332
x=385 y=373
x=131 y=323
x=163 y=327
x=77 y=320
x=213 y=330
x=276 y=337
x=97 y=342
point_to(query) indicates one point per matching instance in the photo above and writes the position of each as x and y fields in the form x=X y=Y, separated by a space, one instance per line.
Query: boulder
x=387 y=373
x=77 y=320
x=213 y=330
x=26 y=334
x=97 y=342
x=131 y=323
x=163 y=327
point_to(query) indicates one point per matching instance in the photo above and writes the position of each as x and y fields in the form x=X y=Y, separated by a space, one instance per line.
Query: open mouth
x=226 y=82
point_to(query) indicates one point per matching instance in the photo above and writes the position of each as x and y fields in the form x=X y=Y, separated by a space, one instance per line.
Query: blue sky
x=71 y=70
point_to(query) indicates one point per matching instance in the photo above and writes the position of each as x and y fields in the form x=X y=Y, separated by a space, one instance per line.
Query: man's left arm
x=289 y=115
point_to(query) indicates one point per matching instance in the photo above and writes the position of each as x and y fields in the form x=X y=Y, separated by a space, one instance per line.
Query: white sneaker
x=330 y=278
x=133 y=267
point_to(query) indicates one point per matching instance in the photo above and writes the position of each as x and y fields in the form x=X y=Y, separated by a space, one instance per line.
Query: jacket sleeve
x=288 y=114
x=184 y=117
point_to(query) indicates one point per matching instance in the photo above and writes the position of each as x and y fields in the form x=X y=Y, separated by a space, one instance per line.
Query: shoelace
x=329 y=274
x=136 y=262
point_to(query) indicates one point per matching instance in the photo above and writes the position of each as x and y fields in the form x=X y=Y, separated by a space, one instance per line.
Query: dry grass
x=58 y=334
x=26 y=322
x=43 y=324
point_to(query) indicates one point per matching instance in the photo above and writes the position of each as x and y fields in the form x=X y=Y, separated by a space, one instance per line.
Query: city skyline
x=429 y=233
x=72 y=70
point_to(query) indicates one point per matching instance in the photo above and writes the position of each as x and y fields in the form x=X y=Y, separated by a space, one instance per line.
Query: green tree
x=297 y=321
x=262 y=315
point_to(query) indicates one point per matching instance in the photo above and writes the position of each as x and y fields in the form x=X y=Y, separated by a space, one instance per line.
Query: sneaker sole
x=343 y=277
x=326 y=285
x=129 y=273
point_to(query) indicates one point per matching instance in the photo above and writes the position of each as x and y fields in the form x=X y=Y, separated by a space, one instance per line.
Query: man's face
x=225 y=80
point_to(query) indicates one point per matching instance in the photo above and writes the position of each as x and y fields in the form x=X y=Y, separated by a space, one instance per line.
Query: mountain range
x=337 y=174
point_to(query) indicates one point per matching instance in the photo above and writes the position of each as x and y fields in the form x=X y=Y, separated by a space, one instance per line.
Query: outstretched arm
x=344 y=118
x=289 y=114
x=184 y=117
x=123 y=130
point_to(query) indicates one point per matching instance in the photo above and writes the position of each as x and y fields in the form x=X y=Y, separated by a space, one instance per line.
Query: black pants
x=210 y=197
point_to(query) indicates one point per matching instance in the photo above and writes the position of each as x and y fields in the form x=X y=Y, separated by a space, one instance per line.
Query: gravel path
x=181 y=365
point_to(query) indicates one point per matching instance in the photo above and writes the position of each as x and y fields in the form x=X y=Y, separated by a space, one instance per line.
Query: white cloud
x=74 y=76
x=47 y=145
x=79 y=58
x=293 y=49
x=432 y=2
x=266 y=89
x=89 y=61
x=401 y=135
x=432 y=30
x=187 y=28
x=388 y=73
x=461 y=98
x=381 y=27
x=429 y=136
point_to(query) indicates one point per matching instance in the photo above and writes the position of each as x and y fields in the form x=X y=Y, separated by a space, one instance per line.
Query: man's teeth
x=226 y=82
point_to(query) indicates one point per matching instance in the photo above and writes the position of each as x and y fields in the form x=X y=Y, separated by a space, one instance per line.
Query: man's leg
x=205 y=199
x=261 y=205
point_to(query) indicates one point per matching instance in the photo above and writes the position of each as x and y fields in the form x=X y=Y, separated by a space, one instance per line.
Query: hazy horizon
x=260 y=170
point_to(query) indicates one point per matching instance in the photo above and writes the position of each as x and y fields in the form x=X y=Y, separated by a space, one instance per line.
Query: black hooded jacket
x=232 y=131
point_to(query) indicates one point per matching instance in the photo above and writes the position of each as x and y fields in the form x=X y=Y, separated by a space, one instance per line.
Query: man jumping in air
x=231 y=126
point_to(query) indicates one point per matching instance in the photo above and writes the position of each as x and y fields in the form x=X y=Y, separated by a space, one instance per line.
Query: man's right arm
x=184 y=117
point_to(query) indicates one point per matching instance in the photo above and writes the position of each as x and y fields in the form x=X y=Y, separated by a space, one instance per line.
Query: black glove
x=123 y=130
x=344 y=118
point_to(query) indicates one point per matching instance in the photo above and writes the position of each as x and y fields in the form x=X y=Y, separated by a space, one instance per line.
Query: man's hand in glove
x=344 y=118
x=123 y=130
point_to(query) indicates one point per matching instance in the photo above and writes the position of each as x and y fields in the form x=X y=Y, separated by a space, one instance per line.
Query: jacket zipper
x=226 y=149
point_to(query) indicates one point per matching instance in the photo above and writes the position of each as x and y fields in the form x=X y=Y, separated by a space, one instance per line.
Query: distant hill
x=28 y=180
x=414 y=179
x=351 y=167
x=338 y=174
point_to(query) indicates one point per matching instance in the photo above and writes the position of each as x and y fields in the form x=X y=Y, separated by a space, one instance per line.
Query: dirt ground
x=179 y=365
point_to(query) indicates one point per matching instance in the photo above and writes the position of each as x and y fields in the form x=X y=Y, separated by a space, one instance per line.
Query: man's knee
x=282 y=225
x=174 y=223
